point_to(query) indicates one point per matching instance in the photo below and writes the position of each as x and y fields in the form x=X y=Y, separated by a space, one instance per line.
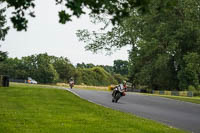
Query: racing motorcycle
x=117 y=93
x=71 y=84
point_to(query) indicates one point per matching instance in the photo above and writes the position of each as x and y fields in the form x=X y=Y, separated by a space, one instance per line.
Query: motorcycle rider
x=121 y=88
x=124 y=86
x=71 y=82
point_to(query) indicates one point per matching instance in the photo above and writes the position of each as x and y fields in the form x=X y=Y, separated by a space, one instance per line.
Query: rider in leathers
x=120 y=88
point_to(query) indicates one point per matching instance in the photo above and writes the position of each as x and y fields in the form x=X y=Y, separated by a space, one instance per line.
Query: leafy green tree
x=165 y=39
x=119 y=78
x=3 y=56
x=3 y=28
x=90 y=65
x=40 y=68
x=108 y=68
x=45 y=71
x=190 y=74
x=63 y=67
x=14 y=68
x=83 y=65
x=121 y=67
x=3 y=31
x=161 y=40
x=96 y=76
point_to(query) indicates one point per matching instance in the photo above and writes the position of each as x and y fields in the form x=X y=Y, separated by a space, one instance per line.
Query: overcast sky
x=45 y=34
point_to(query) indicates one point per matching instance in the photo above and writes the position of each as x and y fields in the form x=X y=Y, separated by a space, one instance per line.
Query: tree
x=96 y=76
x=3 y=31
x=14 y=68
x=63 y=67
x=161 y=40
x=83 y=65
x=108 y=68
x=165 y=39
x=121 y=67
x=3 y=56
x=40 y=68
x=190 y=74
x=3 y=28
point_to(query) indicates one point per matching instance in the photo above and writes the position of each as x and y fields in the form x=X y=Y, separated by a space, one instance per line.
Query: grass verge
x=37 y=109
x=180 y=98
x=185 y=99
x=100 y=88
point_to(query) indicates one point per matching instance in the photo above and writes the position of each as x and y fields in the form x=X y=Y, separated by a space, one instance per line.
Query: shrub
x=119 y=78
x=196 y=93
x=191 y=88
x=96 y=76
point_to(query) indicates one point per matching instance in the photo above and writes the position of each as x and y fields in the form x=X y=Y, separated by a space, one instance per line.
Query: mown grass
x=36 y=109
x=100 y=88
x=185 y=99
x=195 y=99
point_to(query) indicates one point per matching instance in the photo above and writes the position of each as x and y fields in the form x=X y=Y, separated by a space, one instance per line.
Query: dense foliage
x=121 y=67
x=165 y=45
x=96 y=76
x=165 y=55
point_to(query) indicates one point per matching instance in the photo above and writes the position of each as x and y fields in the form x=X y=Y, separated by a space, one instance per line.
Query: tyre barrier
x=174 y=93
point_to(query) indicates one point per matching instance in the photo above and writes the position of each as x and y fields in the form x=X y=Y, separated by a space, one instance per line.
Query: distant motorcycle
x=117 y=93
x=71 y=84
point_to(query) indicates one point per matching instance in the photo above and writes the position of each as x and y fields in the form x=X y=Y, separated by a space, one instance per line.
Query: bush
x=191 y=88
x=196 y=93
x=119 y=78
x=96 y=76
x=198 y=88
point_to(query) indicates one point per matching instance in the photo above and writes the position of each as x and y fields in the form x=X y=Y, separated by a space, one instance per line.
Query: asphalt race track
x=174 y=113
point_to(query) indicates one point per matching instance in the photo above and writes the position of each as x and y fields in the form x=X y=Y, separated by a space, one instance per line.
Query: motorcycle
x=117 y=94
x=71 y=84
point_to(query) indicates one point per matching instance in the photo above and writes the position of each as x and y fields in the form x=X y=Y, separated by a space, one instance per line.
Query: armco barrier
x=183 y=93
x=190 y=94
x=168 y=92
x=155 y=92
x=174 y=93
x=161 y=92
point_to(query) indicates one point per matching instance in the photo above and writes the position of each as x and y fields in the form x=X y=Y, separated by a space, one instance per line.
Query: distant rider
x=71 y=83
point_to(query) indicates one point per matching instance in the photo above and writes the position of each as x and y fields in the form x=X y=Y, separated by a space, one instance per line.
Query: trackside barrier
x=174 y=93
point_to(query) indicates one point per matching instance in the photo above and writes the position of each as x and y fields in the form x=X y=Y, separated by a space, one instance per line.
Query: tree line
x=51 y=69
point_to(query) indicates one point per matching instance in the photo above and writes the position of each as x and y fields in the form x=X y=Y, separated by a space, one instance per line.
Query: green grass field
x=36 y=109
